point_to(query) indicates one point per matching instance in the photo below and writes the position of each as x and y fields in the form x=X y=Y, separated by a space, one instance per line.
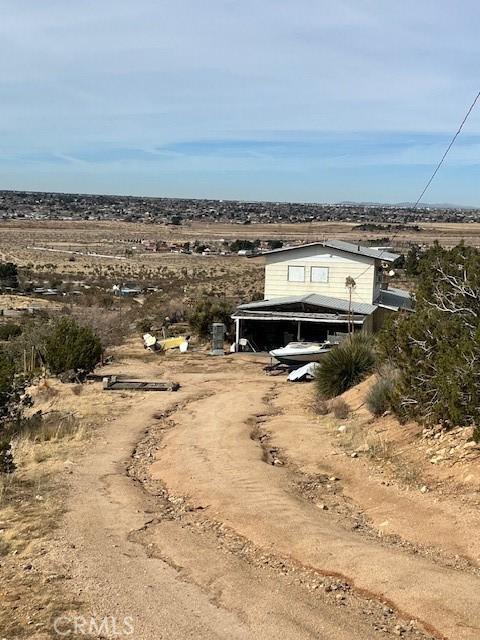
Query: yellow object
x=171 y=343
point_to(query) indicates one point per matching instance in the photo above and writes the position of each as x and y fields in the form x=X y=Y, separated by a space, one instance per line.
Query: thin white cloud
x=133 y=74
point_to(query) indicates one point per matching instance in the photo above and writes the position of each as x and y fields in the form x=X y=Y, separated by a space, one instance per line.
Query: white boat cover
x=302 y=373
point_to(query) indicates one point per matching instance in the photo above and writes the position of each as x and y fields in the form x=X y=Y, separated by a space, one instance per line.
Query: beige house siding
x=340 y=265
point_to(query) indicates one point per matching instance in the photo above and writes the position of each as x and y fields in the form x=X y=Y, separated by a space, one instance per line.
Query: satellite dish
x=391 y=273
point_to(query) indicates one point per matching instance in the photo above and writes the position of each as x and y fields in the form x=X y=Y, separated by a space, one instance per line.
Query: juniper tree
x=71 y=346
x=207 y=311
x=437 y=348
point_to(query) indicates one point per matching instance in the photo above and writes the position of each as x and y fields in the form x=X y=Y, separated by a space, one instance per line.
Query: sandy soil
x=227 y=510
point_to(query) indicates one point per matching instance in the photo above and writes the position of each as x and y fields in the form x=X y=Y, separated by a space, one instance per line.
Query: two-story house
x=318 y=289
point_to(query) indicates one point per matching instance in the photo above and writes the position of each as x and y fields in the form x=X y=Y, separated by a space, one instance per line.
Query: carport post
x=237 y=332
x=298 y=331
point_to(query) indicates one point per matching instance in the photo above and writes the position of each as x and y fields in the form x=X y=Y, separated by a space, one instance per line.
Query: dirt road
x=186 y=518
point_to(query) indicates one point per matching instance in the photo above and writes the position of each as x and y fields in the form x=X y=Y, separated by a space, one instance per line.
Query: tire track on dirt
x=255 y=501
x=316 y=588
x=325 y=491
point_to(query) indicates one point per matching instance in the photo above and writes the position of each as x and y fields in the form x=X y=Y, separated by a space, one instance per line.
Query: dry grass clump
x=381 y=395
x=30 y=498
x=45 y=390
x=47 y=437
x=10 y=486
x=319 y=406
x=30 y=506
x=340 y=408
x=4 y=547
x=359 y=438
x=51 y=426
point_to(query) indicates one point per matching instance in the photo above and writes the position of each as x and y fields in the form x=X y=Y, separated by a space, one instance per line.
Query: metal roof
x=313 y=299
x=347 y=247
x=395 y=299
x=297 y=315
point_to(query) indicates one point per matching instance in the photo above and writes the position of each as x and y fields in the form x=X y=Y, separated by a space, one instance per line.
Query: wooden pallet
x=112 y=383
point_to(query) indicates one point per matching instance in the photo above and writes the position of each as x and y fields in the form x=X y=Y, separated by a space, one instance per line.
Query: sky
x=283 y=100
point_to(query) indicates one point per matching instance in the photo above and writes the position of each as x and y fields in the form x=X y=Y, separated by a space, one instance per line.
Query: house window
x=319 y=274
x=296 y=274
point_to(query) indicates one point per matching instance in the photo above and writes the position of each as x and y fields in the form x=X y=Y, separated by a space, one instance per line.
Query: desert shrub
x=7 y=464
x=340 y=408
x=274 y=244
x=7 y=381
x=9 y=330
x=175 y=311
x=345 y=365
x=320 y=406
x=380 y=397
x=437 y=348
x=109 y=325
x=206 y=312
x=8 y=274
x=144 y=325
x=69 y=346
x=245 y=245
x=9 y=404
x=32 y=339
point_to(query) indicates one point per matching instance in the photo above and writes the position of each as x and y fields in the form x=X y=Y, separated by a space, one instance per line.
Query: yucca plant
x=345 y=365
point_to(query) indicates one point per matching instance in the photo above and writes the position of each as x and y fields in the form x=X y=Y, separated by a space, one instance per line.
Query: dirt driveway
x=197 y=514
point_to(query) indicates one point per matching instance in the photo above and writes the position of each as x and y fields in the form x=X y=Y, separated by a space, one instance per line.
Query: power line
x=452 y=141
x=430 y=180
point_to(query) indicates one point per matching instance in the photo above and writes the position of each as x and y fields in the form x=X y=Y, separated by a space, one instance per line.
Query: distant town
x=177 y=211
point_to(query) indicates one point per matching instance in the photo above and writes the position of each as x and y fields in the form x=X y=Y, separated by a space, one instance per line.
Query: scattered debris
x=151 y=343
x=173 y=343
x=73 y=375
x=112 y=383
x=307 y=372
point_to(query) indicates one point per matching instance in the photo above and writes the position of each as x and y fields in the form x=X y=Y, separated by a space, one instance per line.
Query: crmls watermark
x=109 y=626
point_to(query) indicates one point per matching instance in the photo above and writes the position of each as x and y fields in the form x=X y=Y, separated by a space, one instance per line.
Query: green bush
x=9 y=330
x=206 y=312
x=380 y=397
x=7 y=464
x=9 y=410
x=70 y=346
x=7 y=381
x=437 y=348
x=345 y=365
x=8 y=274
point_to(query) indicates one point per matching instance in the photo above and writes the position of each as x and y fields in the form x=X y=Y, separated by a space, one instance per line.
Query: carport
x=269 y=324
